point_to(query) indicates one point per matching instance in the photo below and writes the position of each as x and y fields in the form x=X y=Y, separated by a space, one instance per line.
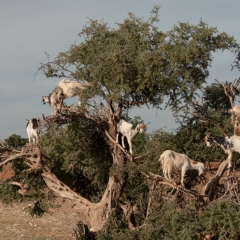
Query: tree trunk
x=211 y=187
x=93 y=215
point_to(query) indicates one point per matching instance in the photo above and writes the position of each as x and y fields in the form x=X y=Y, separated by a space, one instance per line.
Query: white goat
x=228 y=144
x=72 y=89
x=54 y=99
x=170 y=160
x=33 y=130
x=65 y=89
x=127 y=130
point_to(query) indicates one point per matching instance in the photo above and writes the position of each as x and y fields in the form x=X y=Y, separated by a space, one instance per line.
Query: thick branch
x=110 y=104
x=19 y=155
x=210 y=189
x=128 y=211
x=129 y=156
x=61 y=189
x=232 y=91
x=152 y=188
x=119 y=110
x=104 y=109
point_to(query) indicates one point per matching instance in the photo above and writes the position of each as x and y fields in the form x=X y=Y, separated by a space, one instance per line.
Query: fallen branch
x=24 y=188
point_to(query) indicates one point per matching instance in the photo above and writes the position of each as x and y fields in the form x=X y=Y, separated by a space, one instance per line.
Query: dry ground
x=17 y=223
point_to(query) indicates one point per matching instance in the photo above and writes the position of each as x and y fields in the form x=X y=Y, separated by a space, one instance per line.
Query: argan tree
x=133 y=65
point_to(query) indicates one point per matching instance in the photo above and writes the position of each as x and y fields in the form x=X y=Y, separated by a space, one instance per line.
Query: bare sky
x=29 y=28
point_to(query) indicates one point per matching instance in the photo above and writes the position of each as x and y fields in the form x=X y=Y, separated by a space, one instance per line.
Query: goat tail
x=167 y=163
x=167 y=166
x=161 y=159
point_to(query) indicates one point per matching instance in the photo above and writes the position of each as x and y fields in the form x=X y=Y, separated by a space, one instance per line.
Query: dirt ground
x=17 y=223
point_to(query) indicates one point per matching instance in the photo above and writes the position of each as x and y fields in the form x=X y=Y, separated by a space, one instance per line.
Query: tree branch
x=119 y=111
x=24 y=188
x=137 y=103
x=200 y=111
x=232 y=90
x=129 y=156
x=19 y=155
x=210 y=189
x=161 y=180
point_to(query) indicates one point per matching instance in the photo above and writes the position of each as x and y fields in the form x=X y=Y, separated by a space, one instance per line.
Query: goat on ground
x=228 y=144
x=33 y=130
x=170 y=160
x=65 y=89
x=127 y=130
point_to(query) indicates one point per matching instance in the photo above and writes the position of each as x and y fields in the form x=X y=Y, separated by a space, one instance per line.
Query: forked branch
x=137 y=103
x=200 y=112
x=232 y=90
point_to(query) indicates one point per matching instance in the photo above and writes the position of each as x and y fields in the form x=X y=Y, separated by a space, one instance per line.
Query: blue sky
x=29 y=28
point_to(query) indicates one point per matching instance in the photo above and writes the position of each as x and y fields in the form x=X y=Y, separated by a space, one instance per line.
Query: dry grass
x=17 y=223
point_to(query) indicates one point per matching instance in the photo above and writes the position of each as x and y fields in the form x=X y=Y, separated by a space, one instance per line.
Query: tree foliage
x=16 y=141
x=138 y=62
x=79 y=156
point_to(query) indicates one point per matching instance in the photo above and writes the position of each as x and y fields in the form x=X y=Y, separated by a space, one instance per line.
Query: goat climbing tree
x=133 y=65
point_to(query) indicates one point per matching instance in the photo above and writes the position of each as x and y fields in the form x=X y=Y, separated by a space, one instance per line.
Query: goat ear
x=207 y=136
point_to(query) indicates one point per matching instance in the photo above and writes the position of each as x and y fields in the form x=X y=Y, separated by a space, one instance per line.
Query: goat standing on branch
x=170 y=160
x=72 y=89
x=54 y=99
x=65 y=89
x=33 y=130
x=127 y=130
x=228 y=144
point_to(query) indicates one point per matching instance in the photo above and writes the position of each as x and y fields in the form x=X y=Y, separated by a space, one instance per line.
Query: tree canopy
x=138 y=63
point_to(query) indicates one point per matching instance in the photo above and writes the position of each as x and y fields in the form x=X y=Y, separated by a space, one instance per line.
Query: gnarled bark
x=94 y=215
x=211 y=187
